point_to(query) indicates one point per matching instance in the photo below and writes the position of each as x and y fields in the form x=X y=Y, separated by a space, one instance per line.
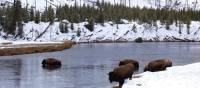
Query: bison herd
x=127 y=67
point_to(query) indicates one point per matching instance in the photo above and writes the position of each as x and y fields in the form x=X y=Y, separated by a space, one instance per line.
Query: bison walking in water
x=158 y=65
x=51 y=63
x=126 y=61
x=121 y=73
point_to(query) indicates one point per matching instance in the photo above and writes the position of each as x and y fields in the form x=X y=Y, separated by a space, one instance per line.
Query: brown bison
x=51 y=63
x=121 y=73
x=126 y=61
x=158 y=65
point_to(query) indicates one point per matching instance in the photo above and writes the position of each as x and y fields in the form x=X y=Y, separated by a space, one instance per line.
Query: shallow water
x=87 y=65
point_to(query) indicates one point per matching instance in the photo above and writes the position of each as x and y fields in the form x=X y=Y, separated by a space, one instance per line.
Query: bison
x=134 y=62
x=158 y=65
x=51 y=63
x=121 y=73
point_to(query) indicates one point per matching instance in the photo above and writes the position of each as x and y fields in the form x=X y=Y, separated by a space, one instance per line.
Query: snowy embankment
x=126 y=32
x=175 y=77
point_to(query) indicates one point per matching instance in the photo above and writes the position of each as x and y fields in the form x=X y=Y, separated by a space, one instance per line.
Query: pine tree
x=66 y=27
x=180 y=27
x=90 y=25
x=32 y=14
x=13 y=17
x=72 y=26
x=37 y=17
x=188 y=22
x=43 y=17
x=78 y=33
x=20 y=32
x=25 y=15
x=61 y=26
x=50 y=15
x=100 y=17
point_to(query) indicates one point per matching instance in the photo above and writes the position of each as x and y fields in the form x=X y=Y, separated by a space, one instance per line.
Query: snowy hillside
x=108 y=32
x=175 y=77
x=176 y=4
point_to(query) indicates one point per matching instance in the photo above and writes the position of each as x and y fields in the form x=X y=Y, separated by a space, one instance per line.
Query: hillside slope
x=110 y=32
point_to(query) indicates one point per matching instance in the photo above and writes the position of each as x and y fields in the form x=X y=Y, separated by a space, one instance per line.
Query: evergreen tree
x=72 y=26
x=50 y=15
x=20 y=32
x=13 y=17
x=25 y=15
x=37 y=17
x=100 y=17
x=43 y=17
x=66 y=27
x=32 y=14
x=63 y=27
x=180 y=27
x=78 y=33
x=90 y=25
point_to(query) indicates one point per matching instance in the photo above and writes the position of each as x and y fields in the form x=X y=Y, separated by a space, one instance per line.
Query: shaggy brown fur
x=126 y=61
x=158 y=65
x=51 y=62
x=121 y=73
x=168 y=63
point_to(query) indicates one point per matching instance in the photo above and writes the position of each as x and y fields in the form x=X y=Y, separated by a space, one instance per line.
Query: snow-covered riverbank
x=23 y=47
x=175 y=77
x=128 y=31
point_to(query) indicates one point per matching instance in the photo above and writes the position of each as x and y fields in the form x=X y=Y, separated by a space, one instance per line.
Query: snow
x=175 y=4
x=174 y=77
x=8 y=42
x=128 y=31
x=5 y=42
x=109 y=31
x=13 y=44
x=35 y=42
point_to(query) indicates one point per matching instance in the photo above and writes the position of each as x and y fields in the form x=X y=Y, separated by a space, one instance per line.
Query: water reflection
x=87 y=65
x=10 y=71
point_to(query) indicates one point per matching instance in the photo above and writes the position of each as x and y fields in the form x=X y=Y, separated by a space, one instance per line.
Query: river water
x=87 y=65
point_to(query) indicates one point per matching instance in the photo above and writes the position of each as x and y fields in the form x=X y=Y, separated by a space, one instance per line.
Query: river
x=87 y=65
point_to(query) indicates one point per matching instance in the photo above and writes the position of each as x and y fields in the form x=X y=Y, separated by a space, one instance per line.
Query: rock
x=139 y=40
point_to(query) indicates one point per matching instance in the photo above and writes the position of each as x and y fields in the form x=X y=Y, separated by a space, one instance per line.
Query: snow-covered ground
x=175 y=4
x=175 y=77
x=128 y=31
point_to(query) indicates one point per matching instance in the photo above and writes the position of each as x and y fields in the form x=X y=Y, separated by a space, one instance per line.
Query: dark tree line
x=12 y=17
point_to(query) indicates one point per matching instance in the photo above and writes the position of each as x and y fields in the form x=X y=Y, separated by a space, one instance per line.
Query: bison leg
x=121 y=82
x=130 y=77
